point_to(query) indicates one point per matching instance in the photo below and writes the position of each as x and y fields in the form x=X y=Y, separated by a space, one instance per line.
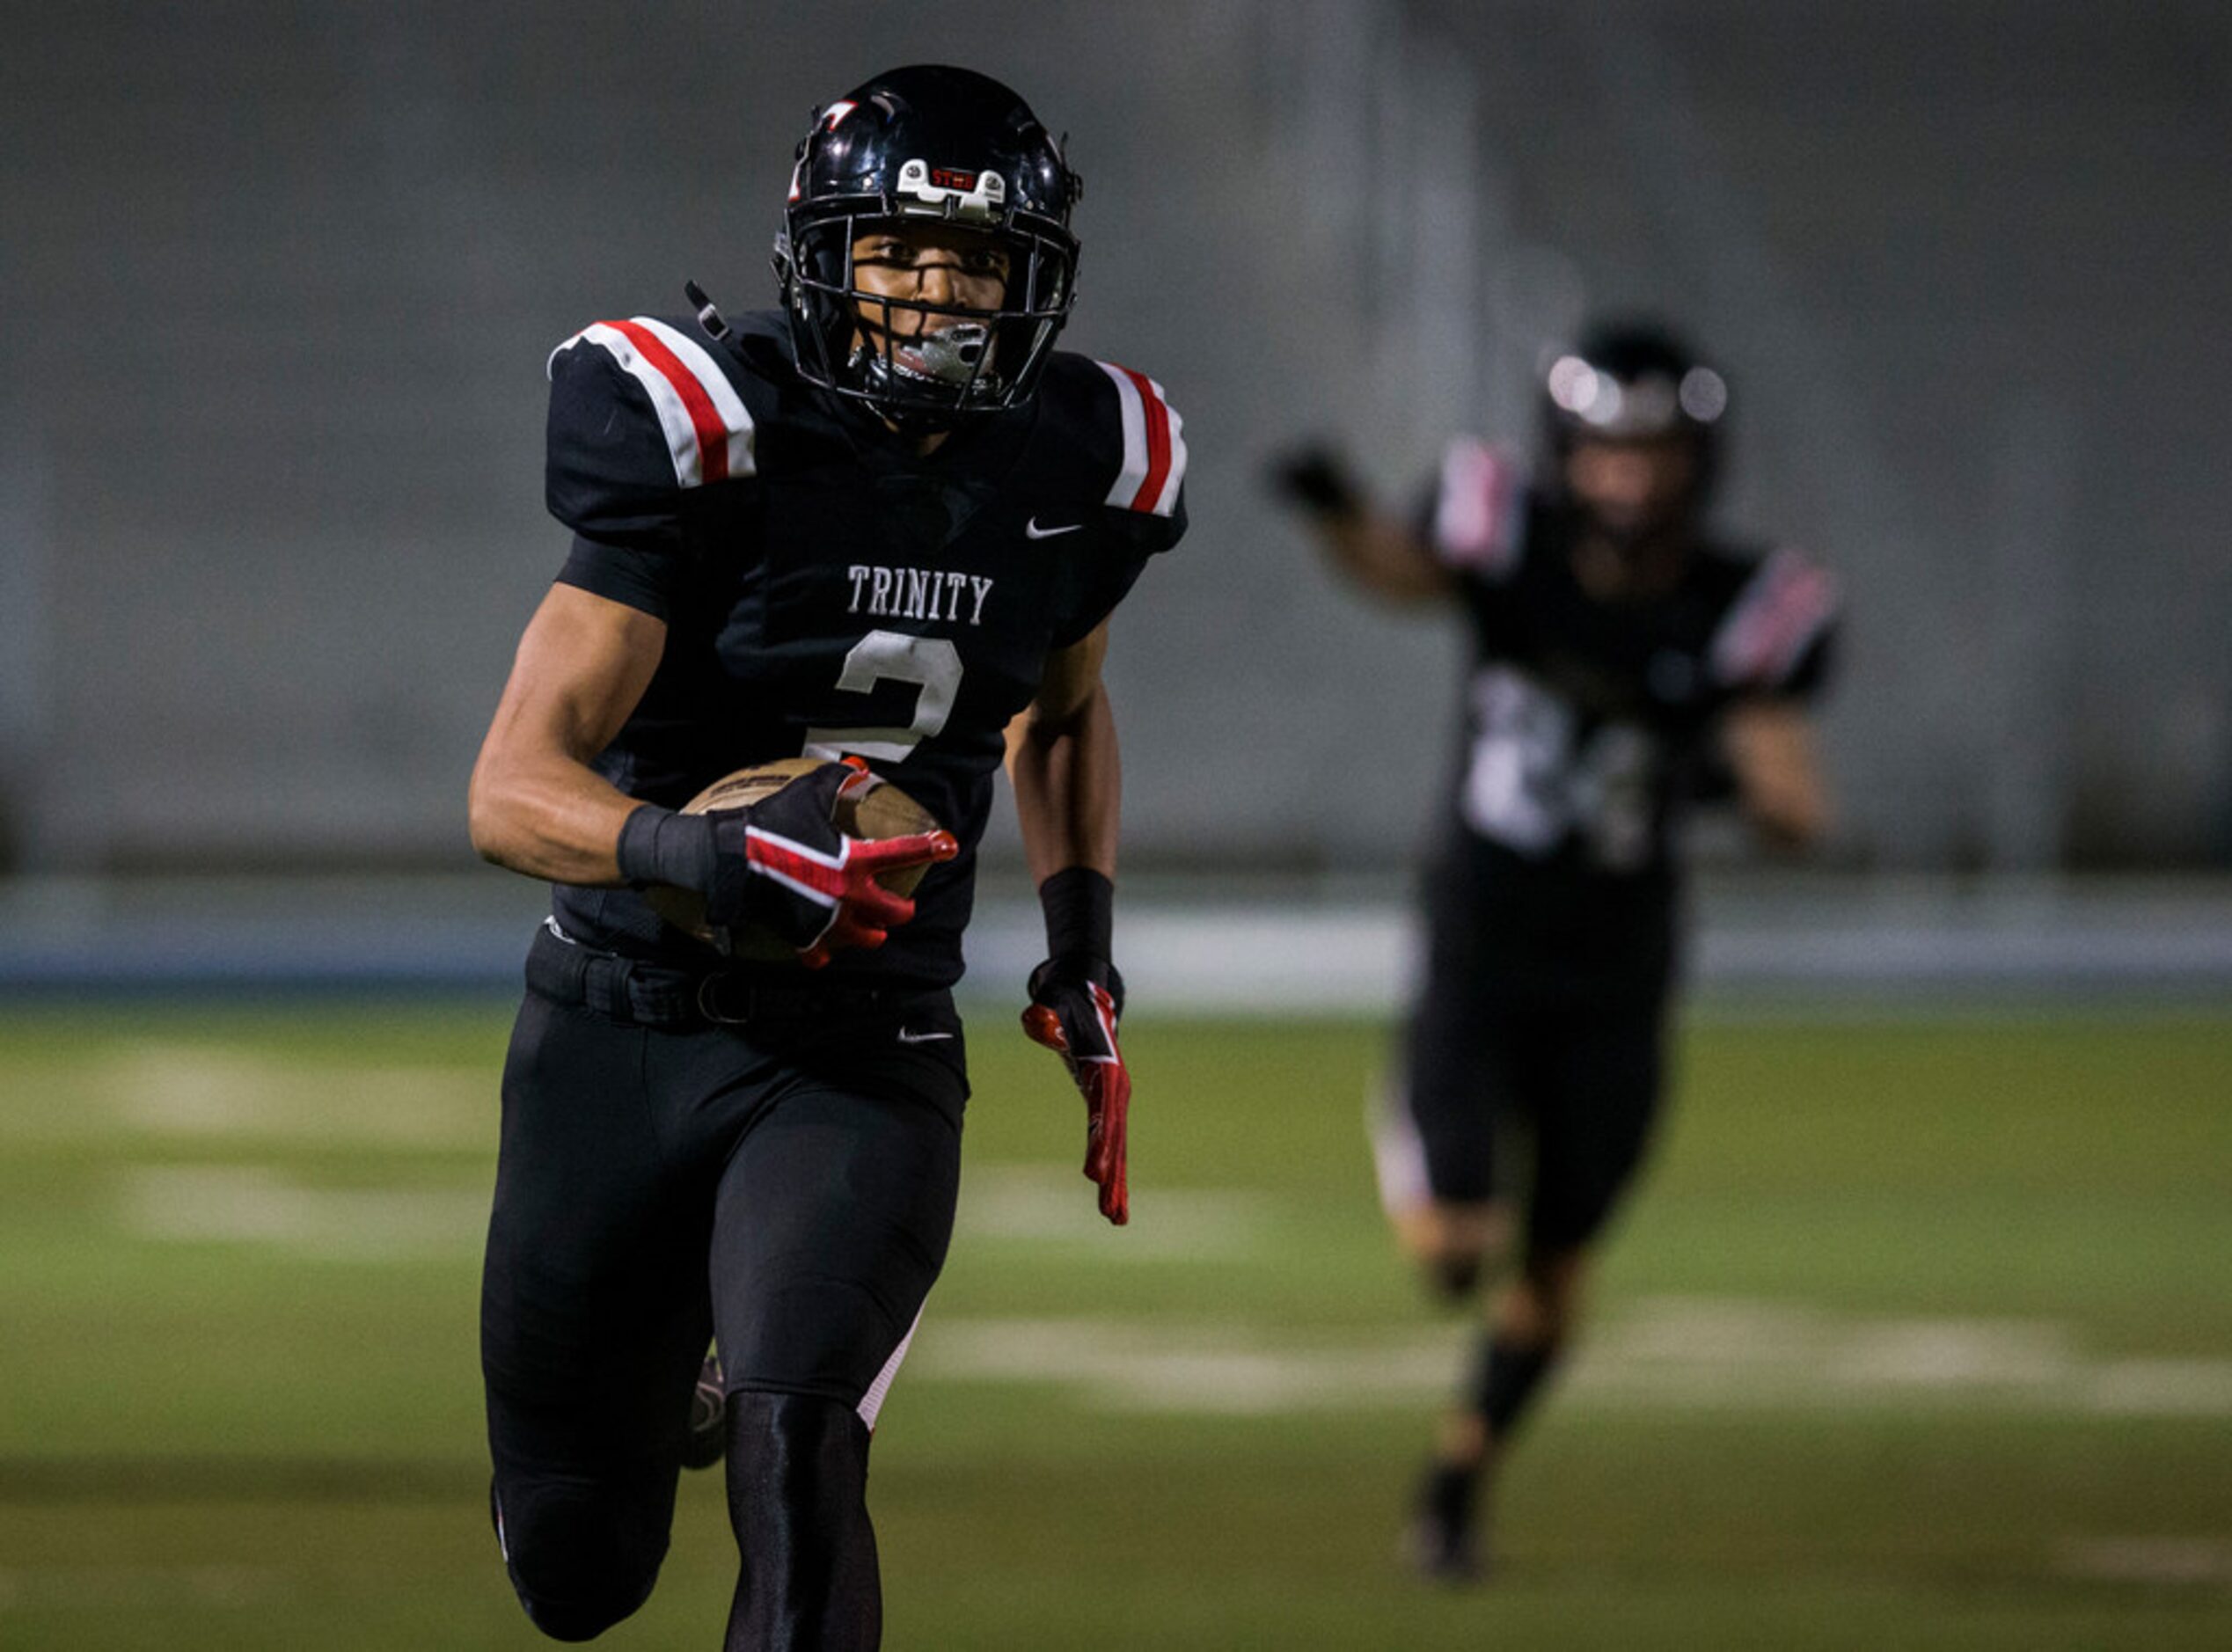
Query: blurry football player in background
x=882 y=526
x=1624 y=663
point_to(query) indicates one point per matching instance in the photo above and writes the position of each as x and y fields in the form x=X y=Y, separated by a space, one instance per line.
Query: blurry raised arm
x=1770 y=747
x=1379 y=552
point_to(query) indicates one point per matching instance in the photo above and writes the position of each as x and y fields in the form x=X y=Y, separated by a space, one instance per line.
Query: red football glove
x=782 y=862
x=1075 y=1016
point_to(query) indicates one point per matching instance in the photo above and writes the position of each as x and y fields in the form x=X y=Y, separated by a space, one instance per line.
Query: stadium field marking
x=261 y=1204
x=2192 y=1562
x=202 y=1090
x=255 y=1204
x=1662 y=1354
x=1040 y=1204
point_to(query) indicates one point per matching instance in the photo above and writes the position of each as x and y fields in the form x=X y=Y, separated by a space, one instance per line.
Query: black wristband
x=657 y=846
x=1079 y=904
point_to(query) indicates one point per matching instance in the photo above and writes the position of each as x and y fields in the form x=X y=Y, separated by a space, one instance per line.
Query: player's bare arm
x=1382 y=557
x=1770 y=747
x=1376 y=551
x=535 y=805
x=1063 y=762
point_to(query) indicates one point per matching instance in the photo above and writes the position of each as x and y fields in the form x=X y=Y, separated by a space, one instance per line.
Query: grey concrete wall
x=278 y=283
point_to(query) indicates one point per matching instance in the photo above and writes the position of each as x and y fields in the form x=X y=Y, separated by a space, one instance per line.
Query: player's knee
x=1455 y=1244
x=1453 y=1274
x=793 y=1456
x=579 y=1561
x=576 y=1620
x=581 y=1607
x=1544 y=1302
x=798 y=1472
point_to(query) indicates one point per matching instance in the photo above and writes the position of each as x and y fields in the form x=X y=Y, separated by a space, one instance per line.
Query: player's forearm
x=1380 y=555
x=1378 y=552
x=1779 y=780
x=547 y=817
x=1069 y=781
x=1789 y=816
x=535 y=805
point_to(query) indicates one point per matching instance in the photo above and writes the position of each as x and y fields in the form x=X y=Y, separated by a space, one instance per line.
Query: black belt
x=643 y=994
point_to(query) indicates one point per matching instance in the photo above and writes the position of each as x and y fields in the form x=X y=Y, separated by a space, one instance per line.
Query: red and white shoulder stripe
x=1776 y=617
x=1154 y=449
x=709 y=429
x=1477 y=515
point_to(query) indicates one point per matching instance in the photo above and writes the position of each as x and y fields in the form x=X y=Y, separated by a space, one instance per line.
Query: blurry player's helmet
x=1632 y=380
x=928 y=144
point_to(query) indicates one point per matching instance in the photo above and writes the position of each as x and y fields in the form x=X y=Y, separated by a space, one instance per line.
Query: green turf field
x=1921 y=1337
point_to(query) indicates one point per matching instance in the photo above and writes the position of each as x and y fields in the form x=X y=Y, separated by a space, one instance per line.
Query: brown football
x=882 y=810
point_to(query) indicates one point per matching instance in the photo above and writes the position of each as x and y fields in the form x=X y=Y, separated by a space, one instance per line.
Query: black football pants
x=1582 y=1075
x=787 y=1188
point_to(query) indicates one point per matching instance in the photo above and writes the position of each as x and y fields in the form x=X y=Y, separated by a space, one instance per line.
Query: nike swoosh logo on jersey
x=906 y=1037
x=1032 y=530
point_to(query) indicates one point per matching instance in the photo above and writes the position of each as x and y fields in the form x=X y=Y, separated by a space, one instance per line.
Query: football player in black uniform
x=883 y=525
x=1623 y=664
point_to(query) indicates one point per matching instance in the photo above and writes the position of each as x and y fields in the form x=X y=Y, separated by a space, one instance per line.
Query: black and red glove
x=1076 y=998
x=781 y=863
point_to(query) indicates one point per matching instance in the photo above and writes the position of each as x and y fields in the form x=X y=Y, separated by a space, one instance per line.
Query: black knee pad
x=791 y=1456
x=579 y=1563
x=798 y=1472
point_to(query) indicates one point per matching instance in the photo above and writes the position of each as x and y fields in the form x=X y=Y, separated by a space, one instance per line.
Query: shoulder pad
x=1128 y=441
x=1479 y=509
x=1773 y=623
x=625 y=369
x=1152 y=469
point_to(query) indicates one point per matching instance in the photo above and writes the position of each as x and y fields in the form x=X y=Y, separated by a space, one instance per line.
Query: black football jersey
x=1588 y=724
x=826 y=590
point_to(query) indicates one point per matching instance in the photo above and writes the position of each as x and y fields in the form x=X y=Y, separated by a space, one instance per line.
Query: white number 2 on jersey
x=1530 y=782
x=931 y=663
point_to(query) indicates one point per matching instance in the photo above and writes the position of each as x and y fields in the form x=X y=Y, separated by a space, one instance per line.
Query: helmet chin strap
x=709 y=317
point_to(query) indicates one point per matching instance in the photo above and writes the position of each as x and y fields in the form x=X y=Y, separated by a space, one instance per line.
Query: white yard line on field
x=1136 y=1365
x=200 y=1090
x=1042 y=1203
x=1050 y=1211
x=252 y=1204
x=1659 y=1354
x=2191 y=1561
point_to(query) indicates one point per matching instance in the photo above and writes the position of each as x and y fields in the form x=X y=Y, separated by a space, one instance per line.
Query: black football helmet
x=1630 y=379
x=951 y=147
